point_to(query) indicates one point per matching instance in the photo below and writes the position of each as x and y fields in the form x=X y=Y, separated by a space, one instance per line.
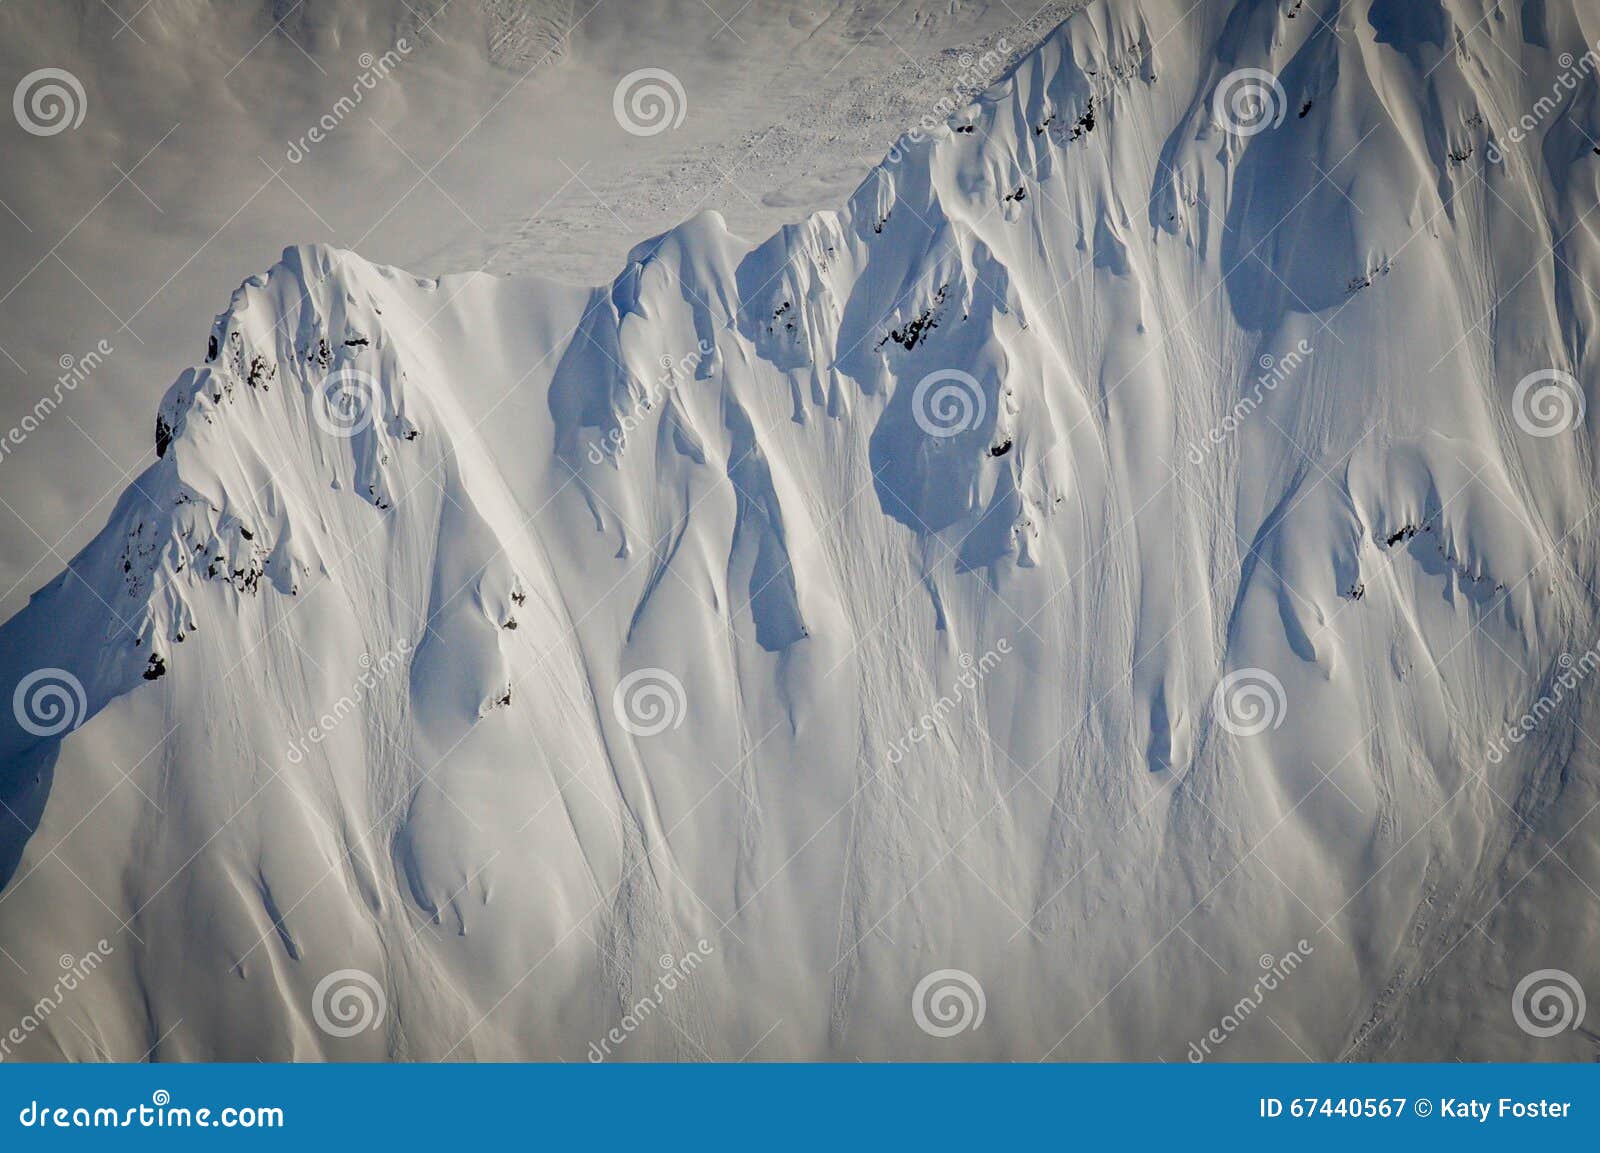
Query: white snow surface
x=528 y=514
x=491 y=144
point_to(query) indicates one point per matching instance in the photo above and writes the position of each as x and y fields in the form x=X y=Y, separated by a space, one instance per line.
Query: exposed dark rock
x=1404 y=533
x=261 y=371
x=908 y=336
x=1084 y=124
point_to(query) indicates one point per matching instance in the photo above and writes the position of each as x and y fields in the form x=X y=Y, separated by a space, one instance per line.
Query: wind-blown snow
x=935 y=670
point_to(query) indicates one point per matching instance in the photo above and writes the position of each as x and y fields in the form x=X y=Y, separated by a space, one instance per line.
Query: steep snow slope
x=1103 y=558
x=192 y=165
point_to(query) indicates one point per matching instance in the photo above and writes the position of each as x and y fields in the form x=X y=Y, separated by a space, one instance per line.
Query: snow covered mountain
x=1121 y=587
